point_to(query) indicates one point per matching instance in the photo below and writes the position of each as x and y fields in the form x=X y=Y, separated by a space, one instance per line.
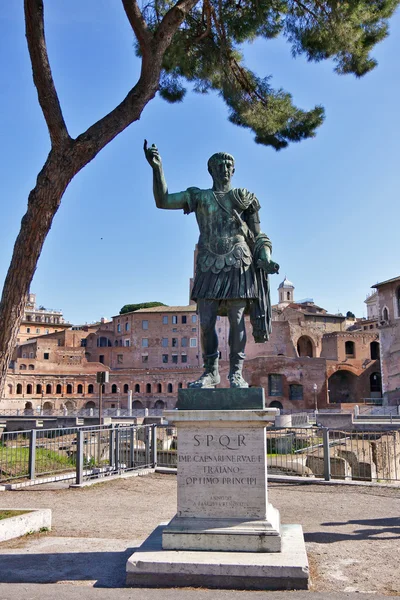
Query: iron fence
x=316 y=452
x=79 y=453
x=83 y=453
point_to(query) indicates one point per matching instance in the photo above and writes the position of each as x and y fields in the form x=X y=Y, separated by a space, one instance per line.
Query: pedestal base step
x=151 y=566
x=224 y=534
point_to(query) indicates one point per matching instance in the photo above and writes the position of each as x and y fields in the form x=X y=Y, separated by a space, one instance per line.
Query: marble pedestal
x=225 y=532
x=222 y=483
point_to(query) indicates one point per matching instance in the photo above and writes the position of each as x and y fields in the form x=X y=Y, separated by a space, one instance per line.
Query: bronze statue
x=233 y=262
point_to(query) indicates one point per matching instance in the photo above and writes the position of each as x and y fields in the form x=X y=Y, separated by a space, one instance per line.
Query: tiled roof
x=377 y=285
x=167 y=309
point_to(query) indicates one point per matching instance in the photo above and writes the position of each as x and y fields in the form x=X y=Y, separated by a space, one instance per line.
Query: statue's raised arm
x=160 y=189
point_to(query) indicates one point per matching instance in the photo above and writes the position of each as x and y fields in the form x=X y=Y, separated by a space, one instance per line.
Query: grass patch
x=7 y=514
x=14 y=462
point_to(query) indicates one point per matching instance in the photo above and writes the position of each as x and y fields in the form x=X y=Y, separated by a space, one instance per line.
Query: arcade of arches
x=55 y=396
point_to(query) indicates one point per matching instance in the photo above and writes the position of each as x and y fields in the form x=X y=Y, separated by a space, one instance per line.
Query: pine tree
x=187 y=41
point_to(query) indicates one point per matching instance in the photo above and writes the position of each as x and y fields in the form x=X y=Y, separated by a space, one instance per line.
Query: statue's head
x=221 y=165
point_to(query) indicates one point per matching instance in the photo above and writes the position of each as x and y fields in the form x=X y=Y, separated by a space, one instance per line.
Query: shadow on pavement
x=389 y=527
x=104 y=569
x=391 y=522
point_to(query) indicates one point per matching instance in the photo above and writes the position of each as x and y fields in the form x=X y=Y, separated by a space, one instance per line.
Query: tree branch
x=42 y=77
x=129 y=110
x=306 y=9
x=171 y=22
x=138 y=24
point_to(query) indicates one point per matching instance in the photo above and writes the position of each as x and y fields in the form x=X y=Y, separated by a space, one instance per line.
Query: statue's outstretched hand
x=152 y=155
x=269 y=266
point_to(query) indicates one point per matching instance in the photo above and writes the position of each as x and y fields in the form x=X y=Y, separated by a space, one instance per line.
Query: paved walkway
x=352 y=537
x=71 y=592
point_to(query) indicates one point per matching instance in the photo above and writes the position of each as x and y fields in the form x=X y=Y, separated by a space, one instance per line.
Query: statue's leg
x=208 y=310
x=237 y=342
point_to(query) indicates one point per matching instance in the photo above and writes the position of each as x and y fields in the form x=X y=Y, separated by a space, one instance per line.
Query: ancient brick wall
x=303 y=372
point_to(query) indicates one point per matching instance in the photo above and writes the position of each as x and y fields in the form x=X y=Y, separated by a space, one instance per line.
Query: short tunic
x=224 y=266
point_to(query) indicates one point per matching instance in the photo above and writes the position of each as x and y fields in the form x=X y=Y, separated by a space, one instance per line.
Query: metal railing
x=79 y=453
x=316 y=452
x=83 y=453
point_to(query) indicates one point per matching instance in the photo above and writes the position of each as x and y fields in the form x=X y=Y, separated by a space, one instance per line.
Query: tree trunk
x=43 y=203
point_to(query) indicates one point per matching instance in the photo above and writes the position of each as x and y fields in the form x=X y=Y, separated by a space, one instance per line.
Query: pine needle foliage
x=206 y=51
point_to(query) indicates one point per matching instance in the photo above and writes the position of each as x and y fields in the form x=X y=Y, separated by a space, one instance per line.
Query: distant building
x=286 y=292
x=39 y=321
x=388 y=305
x=372 y=306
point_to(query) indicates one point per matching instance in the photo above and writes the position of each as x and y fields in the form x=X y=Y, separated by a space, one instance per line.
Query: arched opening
x=31 y=367
x=126 y=388
x=28 y=410
x=159 y=404
x=47 y=408
x=305 y=346
x=59 y=388
x=350 y=349
x=90 y=388
x=80 y=388
x=385 y=314
x=90 y=404
x=116 y=343
x=148 y=388
x=374 y=350
x=169 y=388
x=49 y=388
x=38 y=389
x=288 y=295
x=22 y=367
x=180 y=385
x=19 y=388
x=103 y=388
x=342 y=387
x=137 y=388
x=137 y=405
x=70 y=406
x=114 y=388
x=69 y=388
x=159 y=388
x=29 y=388
x=10 y=389
x=276 y=404
x=375 y=385
x=103 y=342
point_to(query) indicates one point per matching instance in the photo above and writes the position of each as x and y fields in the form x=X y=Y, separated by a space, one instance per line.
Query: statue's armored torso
x=224 y=266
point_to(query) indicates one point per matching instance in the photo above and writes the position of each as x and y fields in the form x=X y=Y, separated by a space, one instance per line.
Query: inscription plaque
x=222 y=473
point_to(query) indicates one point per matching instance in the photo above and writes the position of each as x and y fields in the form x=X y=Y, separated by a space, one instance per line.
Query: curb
x=30 y=522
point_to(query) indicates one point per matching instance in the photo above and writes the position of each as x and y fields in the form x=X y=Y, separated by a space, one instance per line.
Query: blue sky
x=330 y=205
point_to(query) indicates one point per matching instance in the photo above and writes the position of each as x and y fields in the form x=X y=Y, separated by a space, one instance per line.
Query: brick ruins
x=313 y=358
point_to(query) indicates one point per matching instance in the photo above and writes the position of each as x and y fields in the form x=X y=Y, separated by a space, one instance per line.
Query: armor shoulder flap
x=245 y=200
